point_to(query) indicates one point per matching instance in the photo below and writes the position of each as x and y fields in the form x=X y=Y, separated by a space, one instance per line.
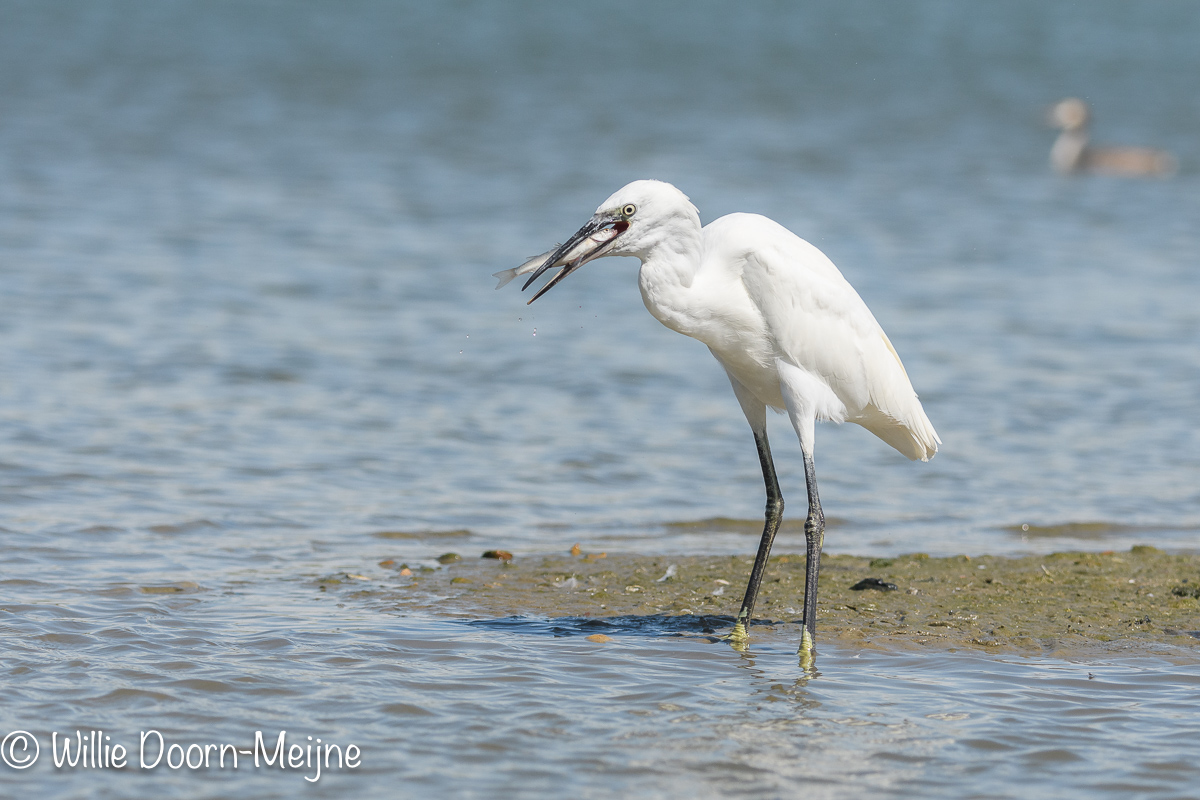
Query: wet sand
x=1071 y=600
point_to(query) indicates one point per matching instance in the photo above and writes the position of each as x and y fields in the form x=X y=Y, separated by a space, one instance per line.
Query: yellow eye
x=629 y=210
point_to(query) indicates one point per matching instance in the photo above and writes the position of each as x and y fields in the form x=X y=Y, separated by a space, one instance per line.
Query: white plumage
x=788 y=328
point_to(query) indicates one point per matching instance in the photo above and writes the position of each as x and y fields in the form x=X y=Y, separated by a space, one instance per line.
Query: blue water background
x=247 y=323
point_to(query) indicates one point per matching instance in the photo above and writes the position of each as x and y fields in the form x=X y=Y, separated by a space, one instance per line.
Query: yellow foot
x=738 y=638
x=807 y=652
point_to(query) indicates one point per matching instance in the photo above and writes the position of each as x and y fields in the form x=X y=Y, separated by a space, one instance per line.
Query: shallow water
x=249 y=337
x=527 y=708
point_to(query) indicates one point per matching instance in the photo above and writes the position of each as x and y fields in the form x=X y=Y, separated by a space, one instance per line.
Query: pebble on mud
x=500 y=555
x=874 y=583
x=448 y=558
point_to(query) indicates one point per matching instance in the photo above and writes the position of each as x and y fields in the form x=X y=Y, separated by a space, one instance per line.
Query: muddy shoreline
x=1072 y=600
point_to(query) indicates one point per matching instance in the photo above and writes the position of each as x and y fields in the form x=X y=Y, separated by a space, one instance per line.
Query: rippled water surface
x=247 y=326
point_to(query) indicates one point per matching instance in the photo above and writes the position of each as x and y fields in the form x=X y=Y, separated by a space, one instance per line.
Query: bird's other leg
x=814 y=535
x=774 y=514
x=804 y=395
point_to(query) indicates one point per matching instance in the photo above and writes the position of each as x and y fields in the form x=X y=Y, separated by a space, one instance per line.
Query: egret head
x=631 y=222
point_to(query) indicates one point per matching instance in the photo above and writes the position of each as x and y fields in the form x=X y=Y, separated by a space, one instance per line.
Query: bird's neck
x=668 y=271
x=1069 y=150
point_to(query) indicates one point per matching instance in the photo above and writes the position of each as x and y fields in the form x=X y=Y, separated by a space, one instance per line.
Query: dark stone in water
x=874 y=583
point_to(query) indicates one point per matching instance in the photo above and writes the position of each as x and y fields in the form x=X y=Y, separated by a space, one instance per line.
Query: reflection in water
x=652 y=625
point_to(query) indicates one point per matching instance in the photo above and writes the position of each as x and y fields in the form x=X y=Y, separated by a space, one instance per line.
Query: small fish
x=506 y=275
x=583 y=248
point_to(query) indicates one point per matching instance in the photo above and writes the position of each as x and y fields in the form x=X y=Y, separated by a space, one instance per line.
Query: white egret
x=789 y=330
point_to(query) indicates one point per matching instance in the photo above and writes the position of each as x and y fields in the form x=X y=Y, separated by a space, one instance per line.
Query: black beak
x=596 y=223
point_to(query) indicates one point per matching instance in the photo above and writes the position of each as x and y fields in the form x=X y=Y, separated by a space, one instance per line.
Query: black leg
x=814 y=534
x=774 y=515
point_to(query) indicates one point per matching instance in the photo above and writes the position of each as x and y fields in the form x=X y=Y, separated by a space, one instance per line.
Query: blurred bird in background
x=1073 y=153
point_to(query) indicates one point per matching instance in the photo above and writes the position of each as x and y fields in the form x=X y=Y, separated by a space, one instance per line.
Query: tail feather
x=913 y=437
